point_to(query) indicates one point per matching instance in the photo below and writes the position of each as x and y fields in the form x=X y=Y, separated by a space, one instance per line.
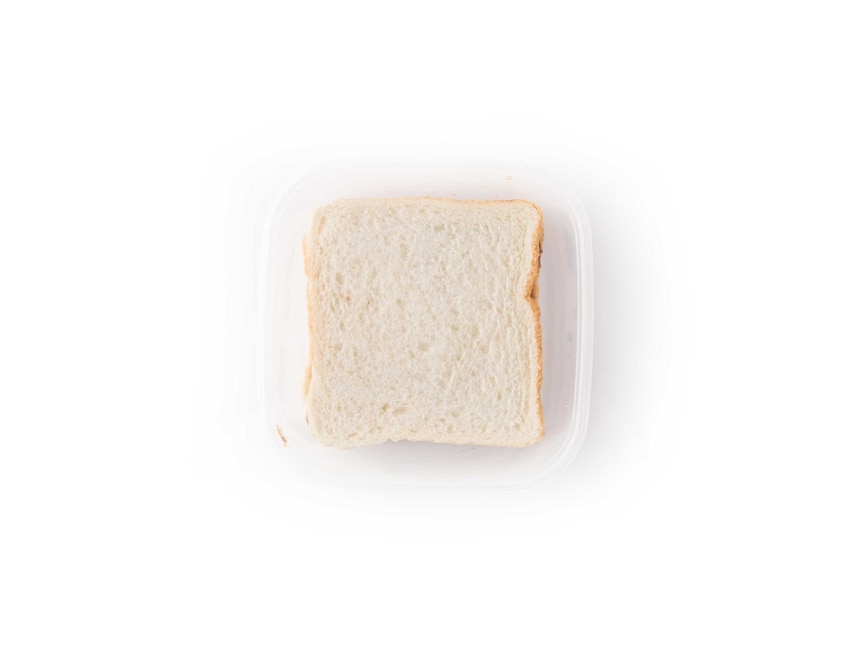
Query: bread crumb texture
x=424 y=323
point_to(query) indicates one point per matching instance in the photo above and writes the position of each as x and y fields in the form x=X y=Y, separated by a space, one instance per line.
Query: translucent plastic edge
x=584 y=352
x=564 y=457
x=268 y=398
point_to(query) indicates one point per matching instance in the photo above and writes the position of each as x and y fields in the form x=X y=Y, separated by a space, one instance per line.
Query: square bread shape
x=424 y=323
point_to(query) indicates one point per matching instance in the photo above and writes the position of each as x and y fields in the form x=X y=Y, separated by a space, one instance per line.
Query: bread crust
x=530 y=294
x=533 y=298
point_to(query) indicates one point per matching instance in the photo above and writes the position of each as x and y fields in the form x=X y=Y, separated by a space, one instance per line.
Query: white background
x=716 y=148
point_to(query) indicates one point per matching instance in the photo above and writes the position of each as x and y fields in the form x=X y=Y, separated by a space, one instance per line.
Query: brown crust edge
x=533 y=299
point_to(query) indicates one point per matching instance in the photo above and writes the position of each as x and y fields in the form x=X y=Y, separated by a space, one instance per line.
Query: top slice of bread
x=424 y=322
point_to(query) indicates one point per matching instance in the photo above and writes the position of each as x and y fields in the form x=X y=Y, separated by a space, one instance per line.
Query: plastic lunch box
x=565 y=302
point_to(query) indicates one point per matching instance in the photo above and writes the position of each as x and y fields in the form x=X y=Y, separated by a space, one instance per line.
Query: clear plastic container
x=565 y=301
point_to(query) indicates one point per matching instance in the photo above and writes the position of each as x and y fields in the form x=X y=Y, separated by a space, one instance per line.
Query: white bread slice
x=424 y=322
